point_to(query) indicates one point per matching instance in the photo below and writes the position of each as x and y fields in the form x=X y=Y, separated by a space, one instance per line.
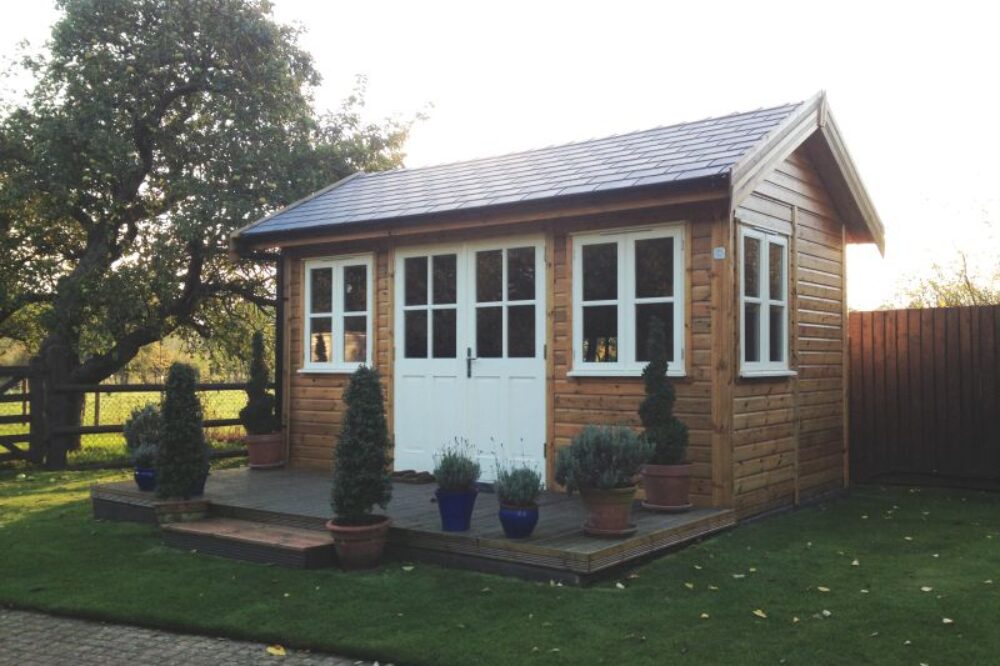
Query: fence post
x=38 y=444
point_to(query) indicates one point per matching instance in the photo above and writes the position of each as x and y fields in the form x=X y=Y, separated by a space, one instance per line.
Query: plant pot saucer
x=594 y=531
x=680 y=508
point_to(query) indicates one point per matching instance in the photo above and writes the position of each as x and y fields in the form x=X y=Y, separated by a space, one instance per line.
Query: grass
x=108 y=448
x=694 y=606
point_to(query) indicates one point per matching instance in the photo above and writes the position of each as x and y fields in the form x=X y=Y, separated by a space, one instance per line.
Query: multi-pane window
x=430 y=302
x=338 y=300
x=628 y=288
x=763 y=302
x=505 y=303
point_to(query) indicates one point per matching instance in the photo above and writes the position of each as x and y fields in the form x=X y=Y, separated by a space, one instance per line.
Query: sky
x=912 y=87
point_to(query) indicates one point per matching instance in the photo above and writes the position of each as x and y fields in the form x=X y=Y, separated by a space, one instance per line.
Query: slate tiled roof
x=661 y=155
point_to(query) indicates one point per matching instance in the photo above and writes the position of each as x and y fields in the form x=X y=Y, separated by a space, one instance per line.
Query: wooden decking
x=557 y=550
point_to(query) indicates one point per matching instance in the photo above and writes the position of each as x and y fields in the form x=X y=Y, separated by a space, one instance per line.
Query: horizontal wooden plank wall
x=316 y=406
x=579 y=401
x=925 y=393
x=788 y=433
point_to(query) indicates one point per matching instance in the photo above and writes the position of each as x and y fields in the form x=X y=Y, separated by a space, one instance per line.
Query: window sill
x=619 y=372
x=755 y=374
x=331 y=370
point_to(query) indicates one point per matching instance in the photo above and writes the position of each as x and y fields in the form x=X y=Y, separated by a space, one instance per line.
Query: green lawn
x=108 y=448
x=863 y=580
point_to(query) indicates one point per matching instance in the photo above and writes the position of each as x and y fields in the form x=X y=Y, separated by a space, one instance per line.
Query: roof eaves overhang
x=813 y=123
x=705 y=189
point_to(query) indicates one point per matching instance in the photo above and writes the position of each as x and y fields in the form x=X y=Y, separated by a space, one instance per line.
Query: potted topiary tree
x=517 y=489
x=361 y=475
x=265 y=441
x=456 y=472
x=142 y=431
x=666 y=479
x=182 y=461
x=602 y=463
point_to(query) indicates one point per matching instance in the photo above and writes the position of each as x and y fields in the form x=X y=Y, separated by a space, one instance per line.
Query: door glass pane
x=776 y=269
x=600 y=272
x=489 y=276
x=444 y=278
x=521 y=274
x=654 y=267
x=600 y=334
x=444 y=333
x=415 y=334
x=415 y=276
x=489 y=332
x=777 y=334
x=521 y=331
x=321 y=290
x=355 y=339
x=355 y=288
x=751 y=335
x=644 y=316
x=320 y=339
x=751 y=266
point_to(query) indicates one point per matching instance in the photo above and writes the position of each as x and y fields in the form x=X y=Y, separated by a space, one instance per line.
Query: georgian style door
x=470 y=352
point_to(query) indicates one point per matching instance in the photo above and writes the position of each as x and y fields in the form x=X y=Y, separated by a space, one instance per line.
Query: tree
x=153 y=130
x=667 y=434
x=951 y=285
x=182 y=459
x=361 y=460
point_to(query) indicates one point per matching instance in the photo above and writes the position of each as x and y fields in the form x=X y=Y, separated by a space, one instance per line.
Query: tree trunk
x=63 y=410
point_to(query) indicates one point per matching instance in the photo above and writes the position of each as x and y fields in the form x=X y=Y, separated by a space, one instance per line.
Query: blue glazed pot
x=145 y=478
x=455 y=507
x=518 y=521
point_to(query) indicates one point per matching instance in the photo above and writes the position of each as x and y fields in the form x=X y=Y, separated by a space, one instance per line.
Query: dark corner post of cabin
x=279 y=335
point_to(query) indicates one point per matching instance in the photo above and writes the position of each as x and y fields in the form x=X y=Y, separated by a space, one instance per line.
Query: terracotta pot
x=360 y=546
x=609 y=510
x=266 y=451
x=667 y=487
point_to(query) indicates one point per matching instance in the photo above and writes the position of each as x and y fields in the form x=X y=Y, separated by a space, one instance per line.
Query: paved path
x=35 y=639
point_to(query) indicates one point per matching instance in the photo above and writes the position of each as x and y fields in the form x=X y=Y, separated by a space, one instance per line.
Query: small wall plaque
x=718 y=253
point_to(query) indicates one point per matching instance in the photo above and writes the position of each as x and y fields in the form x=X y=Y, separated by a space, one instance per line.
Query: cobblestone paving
x=35 y=639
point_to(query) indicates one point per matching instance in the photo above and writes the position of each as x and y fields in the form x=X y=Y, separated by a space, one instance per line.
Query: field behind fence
x=107 y=410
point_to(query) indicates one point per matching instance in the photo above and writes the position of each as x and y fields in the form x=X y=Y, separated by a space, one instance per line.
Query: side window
x=338 y=302
x=763 y=302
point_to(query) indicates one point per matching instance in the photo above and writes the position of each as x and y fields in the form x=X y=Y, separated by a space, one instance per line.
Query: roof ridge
x=474 y=160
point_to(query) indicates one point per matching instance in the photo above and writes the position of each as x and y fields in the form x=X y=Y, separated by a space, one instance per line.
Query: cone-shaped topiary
x=361 y=460
x=663 y=430
x=258 y=416
x=182 y=462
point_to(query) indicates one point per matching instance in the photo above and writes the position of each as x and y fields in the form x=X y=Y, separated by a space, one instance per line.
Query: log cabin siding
x=788 y=433
x=579 y=401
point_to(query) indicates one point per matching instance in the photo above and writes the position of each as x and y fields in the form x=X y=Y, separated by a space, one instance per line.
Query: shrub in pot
x=361 y=475
x=143 y=430
x=182 y=459
x=666 y=479
x=517 y=489
x=456 y=472
x=602 y=463
x=265 y=441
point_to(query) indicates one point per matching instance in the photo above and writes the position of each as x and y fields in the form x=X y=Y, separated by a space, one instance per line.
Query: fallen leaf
x=408 y=568
x=619 y=586
x=761 y=614
x=287 y=595
x=276 y=650
x=697 y=567
x=947 y=620
x=713 y=588
x=864 y=517
x=486 y=589
x=925 y=588
x=795 y=619
x=855 y=563
x=864 y=591
x=907 y=643
x=988 y=581
x=704 y=616
x=908 y=538
x=873 y=634
x=753 y=570
x=739 y=575
x=826 y=613
x=823 y=589
x=689 y=586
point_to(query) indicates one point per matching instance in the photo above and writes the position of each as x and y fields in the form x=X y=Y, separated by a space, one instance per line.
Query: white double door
x=470 y=352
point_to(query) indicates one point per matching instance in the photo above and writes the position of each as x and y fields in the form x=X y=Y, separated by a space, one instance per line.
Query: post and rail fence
x=25 y=433
x=925 y=395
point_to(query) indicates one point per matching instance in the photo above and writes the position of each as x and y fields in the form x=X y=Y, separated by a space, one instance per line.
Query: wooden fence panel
x=925 y=393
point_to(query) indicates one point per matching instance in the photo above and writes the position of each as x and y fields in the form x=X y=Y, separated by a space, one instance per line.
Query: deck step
x=252 y=541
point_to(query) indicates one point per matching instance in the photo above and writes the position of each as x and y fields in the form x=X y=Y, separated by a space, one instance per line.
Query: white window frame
x=764 y=367
x=627 y=365
x=337 y=265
